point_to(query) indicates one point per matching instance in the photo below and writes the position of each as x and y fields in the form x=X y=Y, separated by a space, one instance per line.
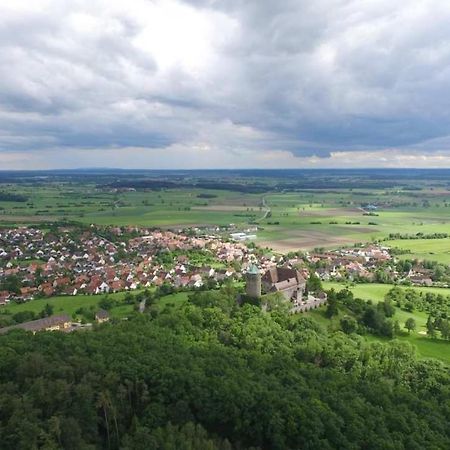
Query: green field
x=426 y=347
x=288 y=220
x=430 y=249
x=300 y=220
x=330 y=224
x=68 y=304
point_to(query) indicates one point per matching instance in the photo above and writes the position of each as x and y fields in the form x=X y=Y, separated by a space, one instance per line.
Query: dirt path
x=267 y=210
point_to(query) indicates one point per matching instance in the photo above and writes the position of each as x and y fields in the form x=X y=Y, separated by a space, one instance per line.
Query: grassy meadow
x=426 y=347
x=299 y=220
x=70 y=304
x=423 y=249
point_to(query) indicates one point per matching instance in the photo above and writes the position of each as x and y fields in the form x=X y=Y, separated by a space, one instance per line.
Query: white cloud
x=211 y=84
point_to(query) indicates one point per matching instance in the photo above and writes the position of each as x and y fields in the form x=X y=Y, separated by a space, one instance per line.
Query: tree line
x=215 y=375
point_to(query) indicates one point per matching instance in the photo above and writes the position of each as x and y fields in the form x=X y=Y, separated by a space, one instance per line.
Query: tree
x=395 y=295
x=275 y=302
x=332 y=306
x=23 y=316
x=439 y=272
x=38 y=277
x=410 y=324
x=387 y=307
x=387 y=328
x=431 y=331
x=11 y=283
x=381 y=276
x=445 y=329
x=106 y=303
x=349 y=324
x=47 y=311
x=313 y=284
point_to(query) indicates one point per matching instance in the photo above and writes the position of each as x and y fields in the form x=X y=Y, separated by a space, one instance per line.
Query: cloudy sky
x=226 y=83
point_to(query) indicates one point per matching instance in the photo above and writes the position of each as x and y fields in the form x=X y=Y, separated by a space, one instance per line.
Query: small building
x=242 y=236
x=4 y=297
x=60 y=322
x=102 y=316
x=421 y=280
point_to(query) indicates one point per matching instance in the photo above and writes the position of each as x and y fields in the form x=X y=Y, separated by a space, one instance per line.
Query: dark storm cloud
x=307 y=77
x=348 y=74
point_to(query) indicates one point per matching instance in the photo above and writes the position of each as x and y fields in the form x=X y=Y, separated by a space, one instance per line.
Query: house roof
x=102 y=314
x=279 y=274
x=40 y=324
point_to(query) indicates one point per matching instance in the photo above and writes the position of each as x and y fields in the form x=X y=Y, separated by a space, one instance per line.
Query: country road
x=267 y=209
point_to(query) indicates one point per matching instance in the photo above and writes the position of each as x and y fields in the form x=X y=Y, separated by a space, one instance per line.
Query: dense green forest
x=215 y=375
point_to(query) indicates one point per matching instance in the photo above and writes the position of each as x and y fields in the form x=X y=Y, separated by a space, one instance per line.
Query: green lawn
x=68 y=304
x=430 y=249
x=426 y=347
x=178 y=299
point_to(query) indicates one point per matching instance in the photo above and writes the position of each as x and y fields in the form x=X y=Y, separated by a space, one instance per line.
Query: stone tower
x=253 y=282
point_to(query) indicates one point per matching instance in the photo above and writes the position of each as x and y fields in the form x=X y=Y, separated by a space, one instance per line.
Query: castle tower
x=253 y=282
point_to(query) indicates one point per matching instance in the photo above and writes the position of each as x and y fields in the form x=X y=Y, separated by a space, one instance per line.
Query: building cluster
x=70 y=261
x=38 y=262
x=369 y=263
x=59 y=322
x=350 y=263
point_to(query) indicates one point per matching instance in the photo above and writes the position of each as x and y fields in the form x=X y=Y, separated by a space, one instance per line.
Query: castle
x=288 y=282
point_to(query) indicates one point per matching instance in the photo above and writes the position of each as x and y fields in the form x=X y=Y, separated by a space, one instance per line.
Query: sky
x=194 y=84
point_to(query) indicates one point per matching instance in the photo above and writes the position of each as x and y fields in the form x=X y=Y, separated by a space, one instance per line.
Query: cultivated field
x=431 y=249
x=288 y=219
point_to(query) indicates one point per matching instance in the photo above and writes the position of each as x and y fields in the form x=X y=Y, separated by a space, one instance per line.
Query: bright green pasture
x=430 y=249
x=426 y=347
x=70 y=304
x=298 y=220
x=377 y=291
x=87 y=204
x=178 y=299
x=67 y=304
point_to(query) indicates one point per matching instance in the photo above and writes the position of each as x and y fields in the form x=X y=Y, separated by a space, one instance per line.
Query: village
x=34 y=263
x=69 y=260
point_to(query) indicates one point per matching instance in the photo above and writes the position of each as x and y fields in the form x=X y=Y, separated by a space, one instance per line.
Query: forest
x=215 y=375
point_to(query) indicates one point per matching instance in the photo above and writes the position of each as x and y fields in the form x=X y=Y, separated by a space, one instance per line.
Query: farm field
x=426 y=347
x=430 y=249
x=172 y=208
x=288 y=219
x=70 y=304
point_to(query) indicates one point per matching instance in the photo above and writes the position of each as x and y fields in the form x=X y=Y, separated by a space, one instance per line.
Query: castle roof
x=277 y=275
x=253 y=270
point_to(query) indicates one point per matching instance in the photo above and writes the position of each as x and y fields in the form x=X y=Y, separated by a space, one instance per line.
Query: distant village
x=37 y=263
x=69 y=260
